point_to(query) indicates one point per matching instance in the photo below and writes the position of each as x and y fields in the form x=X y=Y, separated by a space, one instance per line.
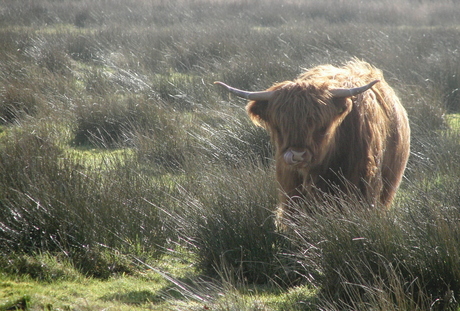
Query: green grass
x=61 y=286
x=453 y=120
x=124 y=293
x=147 y=289
x=116 y=149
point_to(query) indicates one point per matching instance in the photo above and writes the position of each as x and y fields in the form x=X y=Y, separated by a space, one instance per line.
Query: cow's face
x=302 y=120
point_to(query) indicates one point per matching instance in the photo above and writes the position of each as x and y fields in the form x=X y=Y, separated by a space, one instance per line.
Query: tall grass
x=385 y=261
x=114 y=141
x=228 y=222
x=53 y=201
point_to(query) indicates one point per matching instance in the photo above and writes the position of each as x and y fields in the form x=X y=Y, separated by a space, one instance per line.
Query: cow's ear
x=257 y=111
x=343 y=104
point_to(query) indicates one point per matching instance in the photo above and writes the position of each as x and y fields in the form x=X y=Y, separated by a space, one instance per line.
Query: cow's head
x=301 y=117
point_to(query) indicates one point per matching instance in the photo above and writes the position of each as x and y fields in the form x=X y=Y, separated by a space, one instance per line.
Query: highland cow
x=335 y=131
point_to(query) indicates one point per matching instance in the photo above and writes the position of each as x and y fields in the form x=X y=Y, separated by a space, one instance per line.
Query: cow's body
x=329 y=141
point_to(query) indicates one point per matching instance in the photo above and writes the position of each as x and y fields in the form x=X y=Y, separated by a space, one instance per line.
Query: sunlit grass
x=124 y=293
x=453 y=120
x=96 y=159
x=145 y=289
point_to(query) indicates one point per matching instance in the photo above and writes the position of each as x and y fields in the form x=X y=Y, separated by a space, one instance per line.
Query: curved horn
x=353 y=91
x=264 y=95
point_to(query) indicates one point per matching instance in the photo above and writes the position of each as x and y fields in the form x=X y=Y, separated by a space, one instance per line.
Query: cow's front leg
x=290 y=193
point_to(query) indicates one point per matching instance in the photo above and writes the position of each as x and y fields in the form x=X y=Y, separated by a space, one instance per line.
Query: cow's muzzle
x=293 y=157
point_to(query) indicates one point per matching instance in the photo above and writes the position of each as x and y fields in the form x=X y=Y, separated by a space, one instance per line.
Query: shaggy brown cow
x=335 y=130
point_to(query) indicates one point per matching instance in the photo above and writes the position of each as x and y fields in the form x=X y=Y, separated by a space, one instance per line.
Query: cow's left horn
x=353 y=91
x=264 y=95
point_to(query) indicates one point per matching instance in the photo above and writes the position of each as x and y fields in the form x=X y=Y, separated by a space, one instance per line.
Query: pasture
x=130 y=182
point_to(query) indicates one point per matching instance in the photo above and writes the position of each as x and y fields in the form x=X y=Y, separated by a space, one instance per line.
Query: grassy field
x=130 y=182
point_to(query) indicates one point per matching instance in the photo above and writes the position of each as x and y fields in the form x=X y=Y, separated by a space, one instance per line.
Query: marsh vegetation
x=124 y=169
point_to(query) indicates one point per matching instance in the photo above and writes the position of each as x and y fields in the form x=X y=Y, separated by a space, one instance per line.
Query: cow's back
x=373 y=141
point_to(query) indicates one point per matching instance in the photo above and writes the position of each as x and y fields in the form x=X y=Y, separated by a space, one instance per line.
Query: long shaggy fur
x=358 y=144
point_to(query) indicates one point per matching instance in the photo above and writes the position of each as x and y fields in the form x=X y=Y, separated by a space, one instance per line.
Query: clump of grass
x=58 y=205
x=127 y=118
x=48 y=53
x=107 y=121
x=231 y=139
x=383 y=260
x=16 y=303
x=41 y=266
x=227 y=221
x=450 y=80
x=165 y=148
x=17 y=102
x=101 y=122
x=84 y=48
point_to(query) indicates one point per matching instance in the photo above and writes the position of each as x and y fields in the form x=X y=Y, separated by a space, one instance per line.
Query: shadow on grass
x=136 y=297
x=17 y=304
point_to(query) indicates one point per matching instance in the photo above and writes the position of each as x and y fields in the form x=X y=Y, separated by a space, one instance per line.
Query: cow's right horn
x=264 y=95
x=353 y=91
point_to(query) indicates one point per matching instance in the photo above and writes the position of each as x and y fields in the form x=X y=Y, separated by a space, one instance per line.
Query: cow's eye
x=277 y=130
x=321 y=131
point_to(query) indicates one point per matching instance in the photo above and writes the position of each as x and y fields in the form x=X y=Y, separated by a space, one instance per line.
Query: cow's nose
x=293 y=157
